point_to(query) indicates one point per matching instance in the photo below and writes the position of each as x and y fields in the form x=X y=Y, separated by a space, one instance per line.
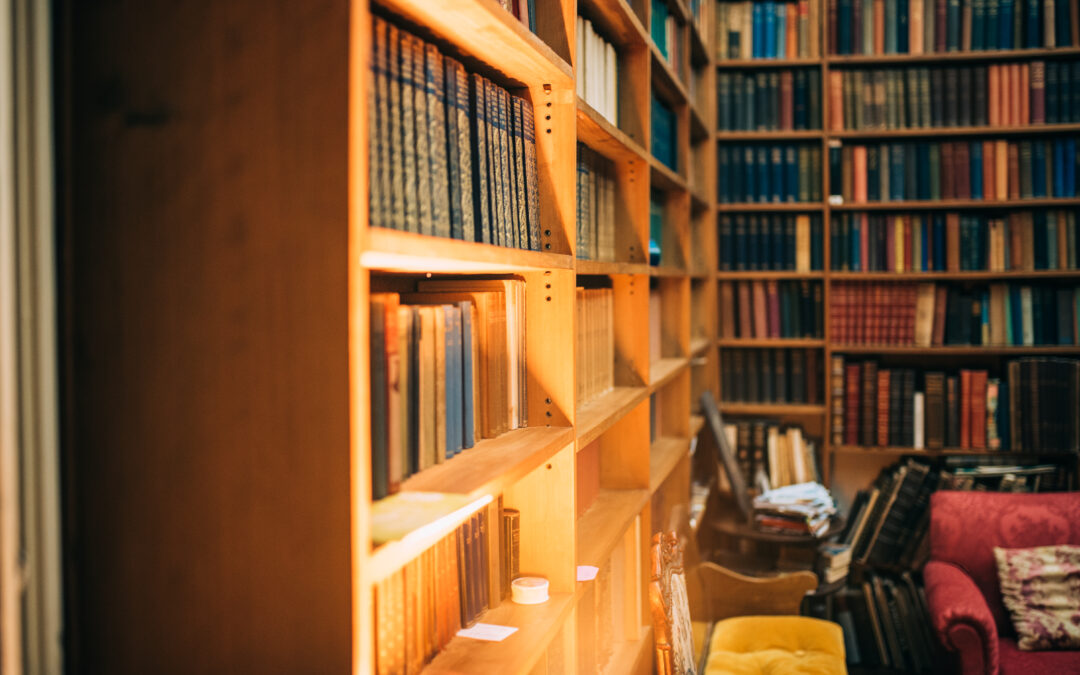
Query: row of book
x=980 y=170
x=769 y=172
x=523 y=10
x=665 y=137
x=781 y=241
x=595 y=215
x=925 y=26
x=1043 y=239
x=667 y=35
x=1006 y=94
x=447 y=369
x=451 y=153
x=597 y=68
x=769 y=100
x=768 y=30
x=782 y=454
x=421 y=607
x=595 y=343
x=770 y=375
x=771 y=309
x=1032 y=408
x=926 y=314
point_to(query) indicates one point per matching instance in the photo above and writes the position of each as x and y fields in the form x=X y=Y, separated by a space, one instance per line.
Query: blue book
x=723 y=173
x=978 y=19
x=742 y=250
x=836 y=177
x=990 y=27
x=939 y=242
x=769 y=29
x=1033 y=38
x=1002 y=414
x=738 y=174
x=952 y=26
x=896 y=172
x=817 y=241
x=791 y=183
x=1059 y=167
x=1038 y=168
x=779 y=241
x=922 y=151
x=891 y=25
x=1039 y=239
x=1069 y=165
x=984 y=305
x=781 y=31
x=452 y=371
x=1006 y=29
x=856 y=247
x=659 y=26
x=837 y=256
x=656 y=231
x=976 y=170
x=843 y=23
x=758 y=28
x=753 y=245
x=776 y=177
x=902 y=29
x=750 y=174
x=727 y=243
x=1061 y=24
x=467 y=412
x=1016 y=310
x=766 y=251
x=1051 y=240
x=761 y=159
x=789 y=240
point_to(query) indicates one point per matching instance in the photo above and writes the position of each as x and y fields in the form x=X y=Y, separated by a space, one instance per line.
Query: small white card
x=487 y=631
x=586 y=572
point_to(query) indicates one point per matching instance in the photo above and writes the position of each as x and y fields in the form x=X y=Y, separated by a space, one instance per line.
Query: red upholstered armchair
x=961 y=577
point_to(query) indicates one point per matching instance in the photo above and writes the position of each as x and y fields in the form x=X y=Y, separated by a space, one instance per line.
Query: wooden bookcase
x=534 y=469
x=845 y=468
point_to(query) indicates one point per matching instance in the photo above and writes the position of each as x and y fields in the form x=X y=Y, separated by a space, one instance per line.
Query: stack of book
x=769 y=100
x=769 y=172
x=451 y=153
x=768 y=30
x=980 y=170
x=665 y=137
x=1006 y=94
x=595 y=343
x=420 y=608
x=781 y=241
x=834 y=561
x=667 y=35
x=803 y=508
x=925 y=314
x=924 y=26
x=770 y=375
x=1029 y=408
x=597 y=71
x=447 y=369
x=770 y=309
x=1043 y=239
x=595 y=205
x=781 y=454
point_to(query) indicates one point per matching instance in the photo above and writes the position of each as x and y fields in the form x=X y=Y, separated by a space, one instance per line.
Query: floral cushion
x=1041 y=589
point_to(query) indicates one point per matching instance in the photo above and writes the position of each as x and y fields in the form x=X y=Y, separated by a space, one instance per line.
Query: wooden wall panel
x=207 y=426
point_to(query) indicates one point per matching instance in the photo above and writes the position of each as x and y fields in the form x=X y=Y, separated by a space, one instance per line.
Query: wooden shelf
x=600 y=414
x=747 y=64
x=771 y=135
x=986 y=55
x=394 y=251
x=767 y=207
x=771 y=343
x=766 y=409
x=698 y=201
x=893 y=451
x=666 y=80
x=604 y=267
x=749 y=275
x=667 y=271
x=630 y=656
x=958 y=350
x=518 y=52
x=536 y=626
x=663 y=178
x=603 y=524
x=596 y=131
x=699 y=130
x=618 y=20
x=953 y=276
x=943 y=204
x=923 y=132
x=664 y=455
x=663 y=371
x=699 y=345
x=494 y=463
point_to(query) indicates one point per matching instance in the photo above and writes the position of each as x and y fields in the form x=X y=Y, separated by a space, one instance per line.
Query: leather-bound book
x=868 y=411
x=884 y=389
x=935 y=409
x=965 y=408
x=977 y=405
x=952 y=411
x=852 y=401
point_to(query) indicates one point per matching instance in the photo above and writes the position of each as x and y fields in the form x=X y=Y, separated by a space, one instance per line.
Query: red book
x=965 y=408
x=864 y=240
x=962 y=157
x=831 y=32
x=988 y=171
x=746 y=323
x=939 y=26
x=860 y=173
x=1038 y=92
x=852 y=397
x=774 y=309
x=1016 y=94
x=1004 y=92
x=941 y=296
x=1022 y=93
x=761 y=323
x=977 y=404
x=948 y=190
x=883 y=377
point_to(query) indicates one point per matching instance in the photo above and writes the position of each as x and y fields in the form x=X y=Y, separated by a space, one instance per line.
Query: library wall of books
x=853 y=222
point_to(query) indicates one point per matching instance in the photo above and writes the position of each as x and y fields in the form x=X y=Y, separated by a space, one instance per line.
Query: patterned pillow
x=1041 y=589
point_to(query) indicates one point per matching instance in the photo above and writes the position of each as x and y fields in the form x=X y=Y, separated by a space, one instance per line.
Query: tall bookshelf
x=535 y=469
x=848 y=468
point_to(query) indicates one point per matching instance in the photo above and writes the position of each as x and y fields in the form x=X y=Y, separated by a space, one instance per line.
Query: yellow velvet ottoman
x=776 y=645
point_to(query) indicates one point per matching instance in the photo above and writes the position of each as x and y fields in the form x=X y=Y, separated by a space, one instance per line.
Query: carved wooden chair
x=737 y=623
